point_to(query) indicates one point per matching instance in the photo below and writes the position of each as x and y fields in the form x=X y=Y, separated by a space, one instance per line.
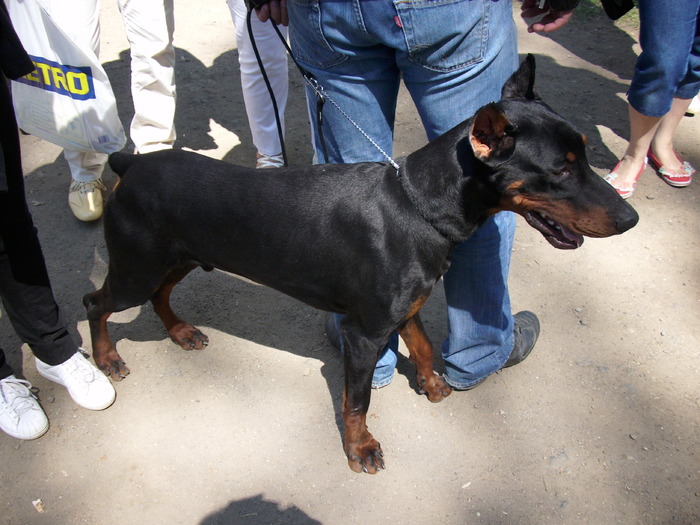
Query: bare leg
x=642 y=130
x=654 y=132
x=662 y=142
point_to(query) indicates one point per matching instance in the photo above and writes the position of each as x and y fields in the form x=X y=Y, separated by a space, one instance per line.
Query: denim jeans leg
x=670 y=40
x=358 y=51
x=358 y=73
x=478 y=305
x=480 y=321
x=447 y=93
x=364 y=82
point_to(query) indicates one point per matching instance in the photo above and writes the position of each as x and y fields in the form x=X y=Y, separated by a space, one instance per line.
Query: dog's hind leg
x=421 y=354
x=127 y=285
x=182 y=333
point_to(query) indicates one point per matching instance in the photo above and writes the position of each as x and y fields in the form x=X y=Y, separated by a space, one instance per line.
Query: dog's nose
x=628 y=219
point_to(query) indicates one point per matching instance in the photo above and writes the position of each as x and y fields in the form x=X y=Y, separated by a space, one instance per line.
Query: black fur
x=360 y=239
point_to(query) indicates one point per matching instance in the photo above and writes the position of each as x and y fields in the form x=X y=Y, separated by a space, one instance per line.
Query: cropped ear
x=521 y=84
x=491 y=133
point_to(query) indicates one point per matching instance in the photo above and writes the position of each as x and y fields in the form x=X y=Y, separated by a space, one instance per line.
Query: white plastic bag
x=68 y=99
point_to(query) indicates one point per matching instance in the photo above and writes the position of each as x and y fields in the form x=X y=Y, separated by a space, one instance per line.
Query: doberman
x=362 y=239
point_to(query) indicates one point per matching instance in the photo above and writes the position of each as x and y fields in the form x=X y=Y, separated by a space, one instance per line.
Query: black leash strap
x=280 y=131
x=308 y=78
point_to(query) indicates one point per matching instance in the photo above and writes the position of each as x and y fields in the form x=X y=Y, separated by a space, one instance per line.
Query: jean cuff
x=381 y=383
x=463 y=385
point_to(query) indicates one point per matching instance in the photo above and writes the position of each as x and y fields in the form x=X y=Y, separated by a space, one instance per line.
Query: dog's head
x=537 y=162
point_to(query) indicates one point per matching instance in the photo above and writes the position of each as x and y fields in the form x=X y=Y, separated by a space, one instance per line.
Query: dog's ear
x=491 y=133
x=521 y=84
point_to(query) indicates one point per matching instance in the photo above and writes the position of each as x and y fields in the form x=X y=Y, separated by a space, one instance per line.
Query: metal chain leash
x=321 y=96
x=320 y=92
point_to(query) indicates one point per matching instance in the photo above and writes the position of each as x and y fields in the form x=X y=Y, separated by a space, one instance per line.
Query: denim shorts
x=669 y=65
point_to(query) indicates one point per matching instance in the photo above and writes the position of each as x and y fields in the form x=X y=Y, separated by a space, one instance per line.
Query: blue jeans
x=669 y=65
x=453 y=56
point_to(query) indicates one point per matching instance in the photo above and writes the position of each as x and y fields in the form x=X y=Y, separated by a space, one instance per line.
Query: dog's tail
x=120 y=162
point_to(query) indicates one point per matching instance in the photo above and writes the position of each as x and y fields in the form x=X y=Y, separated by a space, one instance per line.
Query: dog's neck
x=447 y=172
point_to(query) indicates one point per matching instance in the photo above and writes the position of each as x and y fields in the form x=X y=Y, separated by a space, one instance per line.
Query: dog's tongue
x=571 y=236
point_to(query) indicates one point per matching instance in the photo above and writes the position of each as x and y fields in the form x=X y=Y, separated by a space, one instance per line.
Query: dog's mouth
x=558 y=236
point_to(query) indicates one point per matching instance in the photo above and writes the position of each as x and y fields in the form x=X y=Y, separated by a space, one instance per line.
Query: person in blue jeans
x=453 y=56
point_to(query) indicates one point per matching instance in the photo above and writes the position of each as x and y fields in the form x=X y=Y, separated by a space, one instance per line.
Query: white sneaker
x=88 y=387
x=694 y=107
x=269 y=161
x=20 y=413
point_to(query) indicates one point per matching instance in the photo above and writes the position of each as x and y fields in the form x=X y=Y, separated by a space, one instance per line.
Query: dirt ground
x=600 y=425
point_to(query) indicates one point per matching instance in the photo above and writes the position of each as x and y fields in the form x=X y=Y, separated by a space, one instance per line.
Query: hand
x=550 y=20
x=275 y=9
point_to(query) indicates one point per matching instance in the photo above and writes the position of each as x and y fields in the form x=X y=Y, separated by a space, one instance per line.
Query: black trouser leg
x=25 y=288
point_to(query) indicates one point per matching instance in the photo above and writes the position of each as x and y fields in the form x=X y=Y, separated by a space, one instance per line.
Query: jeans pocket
x=307 y=35
x=445 y=35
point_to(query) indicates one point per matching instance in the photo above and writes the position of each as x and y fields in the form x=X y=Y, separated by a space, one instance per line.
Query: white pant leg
x=259 y=108
x=80 y=21
x=85 y=167
x=149 y=28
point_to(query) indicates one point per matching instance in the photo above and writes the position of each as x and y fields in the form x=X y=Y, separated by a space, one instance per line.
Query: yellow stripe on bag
x=71 y=81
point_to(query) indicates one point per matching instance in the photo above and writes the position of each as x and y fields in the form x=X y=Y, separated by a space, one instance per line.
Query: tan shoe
x=85 y=199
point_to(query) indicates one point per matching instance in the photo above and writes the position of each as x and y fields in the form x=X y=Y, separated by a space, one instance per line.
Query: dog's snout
x=627 y=220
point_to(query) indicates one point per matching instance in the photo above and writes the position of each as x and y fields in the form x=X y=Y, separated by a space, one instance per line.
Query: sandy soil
x=598 y=426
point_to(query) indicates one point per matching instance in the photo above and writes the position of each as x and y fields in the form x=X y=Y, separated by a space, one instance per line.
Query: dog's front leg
x=106 y=357
x=421 y=354
x=363 y=451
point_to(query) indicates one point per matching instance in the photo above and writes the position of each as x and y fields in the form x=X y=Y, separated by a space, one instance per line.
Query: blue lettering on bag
x=71 y=81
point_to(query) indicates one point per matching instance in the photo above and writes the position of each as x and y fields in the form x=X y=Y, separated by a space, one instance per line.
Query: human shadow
x=201 y=101
x=297 y=134
x=589 y=101
x=256 y=510
x=582 y=95
x=608 y=46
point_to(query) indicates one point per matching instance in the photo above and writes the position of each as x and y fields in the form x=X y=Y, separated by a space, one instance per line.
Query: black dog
x=361 y=239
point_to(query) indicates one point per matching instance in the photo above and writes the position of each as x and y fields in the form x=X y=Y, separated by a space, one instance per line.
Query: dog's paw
x=434 y=387
x=188 y=336
x=366 y=457
x=112 y=366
